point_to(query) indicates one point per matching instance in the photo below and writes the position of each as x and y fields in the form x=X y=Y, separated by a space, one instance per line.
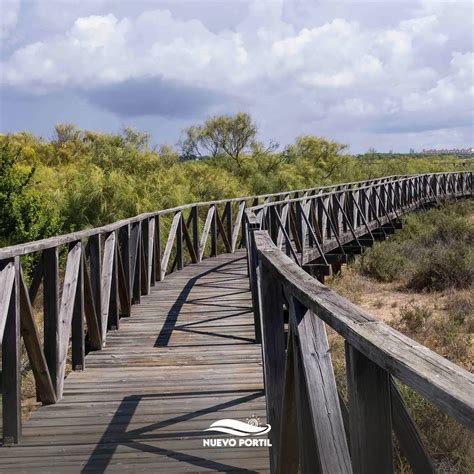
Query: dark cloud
x=156 y=97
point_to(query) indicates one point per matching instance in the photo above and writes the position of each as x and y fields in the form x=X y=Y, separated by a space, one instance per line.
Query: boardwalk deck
x=184 y=359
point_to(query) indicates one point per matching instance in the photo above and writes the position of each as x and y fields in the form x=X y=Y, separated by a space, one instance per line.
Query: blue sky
x=387 y=75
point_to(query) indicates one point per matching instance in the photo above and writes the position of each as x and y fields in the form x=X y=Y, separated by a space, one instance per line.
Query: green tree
x=24 y=214
x=227 y=135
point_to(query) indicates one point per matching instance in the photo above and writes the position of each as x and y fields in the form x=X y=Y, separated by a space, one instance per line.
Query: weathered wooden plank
x=273 y=348
x=78 y=343
x=11 y=377
x=107 y=283
x=205 y=232
x=32 y=341
x=288 y=458
x=324 y=406
x=95 y=257
x=370 y=418
x=135 y=262
x=169 y=243
x=66 y=310
x=7 y=279
x=237 y=226
x=51 y=313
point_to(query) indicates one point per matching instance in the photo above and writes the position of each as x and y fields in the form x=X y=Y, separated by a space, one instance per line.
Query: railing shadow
x=170 y=323
x=137 y=438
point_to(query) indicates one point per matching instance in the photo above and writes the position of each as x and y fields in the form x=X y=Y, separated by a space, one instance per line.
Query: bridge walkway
x=184 y=359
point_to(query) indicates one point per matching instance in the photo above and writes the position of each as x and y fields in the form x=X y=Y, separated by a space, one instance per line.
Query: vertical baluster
x=195 y=229
x=214 y=232
x=51 y=312
x=369 y=413
x=11 y=377
x=78 y=339
x=271 y=314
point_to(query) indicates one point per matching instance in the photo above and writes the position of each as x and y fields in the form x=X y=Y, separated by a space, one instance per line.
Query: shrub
x=414 y=317
x=384 y=261
x=443 y=267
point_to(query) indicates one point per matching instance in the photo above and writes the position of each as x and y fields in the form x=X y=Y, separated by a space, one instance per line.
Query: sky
x=389 y=75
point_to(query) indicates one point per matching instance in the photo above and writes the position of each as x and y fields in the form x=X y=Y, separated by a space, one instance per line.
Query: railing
x=312 y=428
x=90 y=279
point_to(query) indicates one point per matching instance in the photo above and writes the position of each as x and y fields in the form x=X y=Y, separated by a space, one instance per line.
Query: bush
x=443 y=267
x=385 y=261
x=433 y=251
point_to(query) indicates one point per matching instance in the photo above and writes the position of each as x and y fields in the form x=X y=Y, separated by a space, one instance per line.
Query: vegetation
x=81 y=179
x=433 y=251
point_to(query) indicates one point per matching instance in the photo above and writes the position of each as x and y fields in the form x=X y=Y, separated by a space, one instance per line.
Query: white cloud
x=10 y=9
x=341 y=71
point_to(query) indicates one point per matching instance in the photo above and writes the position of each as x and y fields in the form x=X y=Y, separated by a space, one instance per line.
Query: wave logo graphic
x=239 y=428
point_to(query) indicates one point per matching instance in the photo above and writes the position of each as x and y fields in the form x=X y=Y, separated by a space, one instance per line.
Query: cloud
x=9 y=18
x=337 y=73
x=135 y=98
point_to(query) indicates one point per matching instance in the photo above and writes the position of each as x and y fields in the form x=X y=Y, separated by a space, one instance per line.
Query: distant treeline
x=81 y=179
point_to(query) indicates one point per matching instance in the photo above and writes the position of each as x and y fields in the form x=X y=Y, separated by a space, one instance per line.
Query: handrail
x=290 y=243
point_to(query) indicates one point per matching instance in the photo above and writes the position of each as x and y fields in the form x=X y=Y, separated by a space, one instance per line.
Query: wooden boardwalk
x=185 y=359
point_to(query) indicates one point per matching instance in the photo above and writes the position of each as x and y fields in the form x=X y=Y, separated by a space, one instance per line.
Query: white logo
x=238 y=428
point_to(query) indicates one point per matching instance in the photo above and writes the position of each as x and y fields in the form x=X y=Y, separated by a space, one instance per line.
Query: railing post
x=369 y=413
x=95 y=255
x=51 y=312
x=252 y=267
x=273 y=348
x=11 y=377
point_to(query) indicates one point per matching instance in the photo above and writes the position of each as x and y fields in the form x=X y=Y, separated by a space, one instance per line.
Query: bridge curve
x=175 y=282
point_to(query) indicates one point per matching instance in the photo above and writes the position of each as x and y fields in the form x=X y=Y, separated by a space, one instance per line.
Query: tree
x=323 y=154
x=24 y=215
x=225 y=135
x=66 y=132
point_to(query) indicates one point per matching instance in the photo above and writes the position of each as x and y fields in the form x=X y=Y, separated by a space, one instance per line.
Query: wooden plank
x=51 y=313
x=273 y=348
x=169 y=243
x=205 y=232
x=123 y=285
x=407 y=434
x=237 y=226
x=11 y=377
x=66 y=310
x=32 y=341
x=107 y=283
x=95 y=257
x=7 y=279
x=308 y=453
x=288 y=458
x=324 y=406
x=135 y=262
x=78 y=342
x=370 y=418
x=151 y=252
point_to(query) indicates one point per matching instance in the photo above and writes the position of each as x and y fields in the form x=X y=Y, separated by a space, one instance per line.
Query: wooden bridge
x=184 y=313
